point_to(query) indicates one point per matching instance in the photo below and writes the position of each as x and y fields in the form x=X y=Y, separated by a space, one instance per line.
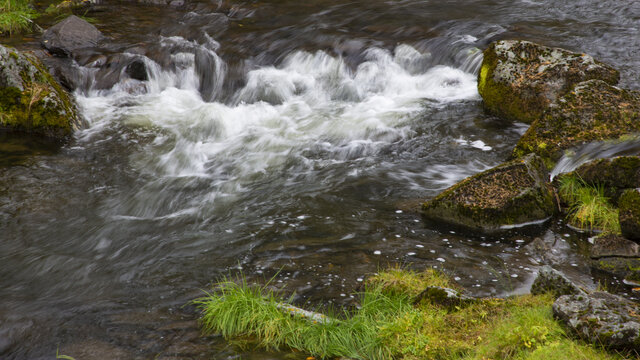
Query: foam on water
x=310 y=111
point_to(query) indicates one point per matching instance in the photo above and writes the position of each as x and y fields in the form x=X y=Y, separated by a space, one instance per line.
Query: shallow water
x=275 y=138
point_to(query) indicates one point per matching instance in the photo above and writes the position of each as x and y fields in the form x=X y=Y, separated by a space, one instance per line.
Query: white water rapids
x=310 y=111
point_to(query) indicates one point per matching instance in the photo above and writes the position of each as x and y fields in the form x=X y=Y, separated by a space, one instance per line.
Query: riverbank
x=396 y=318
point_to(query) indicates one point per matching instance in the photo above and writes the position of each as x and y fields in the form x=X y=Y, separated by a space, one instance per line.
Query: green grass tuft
x=589 y=208
x=16 y=16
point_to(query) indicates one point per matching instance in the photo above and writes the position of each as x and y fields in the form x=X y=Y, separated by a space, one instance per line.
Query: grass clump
x=16 y=16
x=589 y=208
x=388 y=325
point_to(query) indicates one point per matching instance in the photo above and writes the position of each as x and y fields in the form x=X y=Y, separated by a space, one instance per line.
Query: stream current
x=282 y=139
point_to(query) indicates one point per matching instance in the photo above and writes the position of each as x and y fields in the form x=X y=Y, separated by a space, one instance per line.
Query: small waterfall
x=595 y=150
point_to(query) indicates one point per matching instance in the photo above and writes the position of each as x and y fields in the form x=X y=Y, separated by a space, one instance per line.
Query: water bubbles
x=441 y=259
x=377 y=252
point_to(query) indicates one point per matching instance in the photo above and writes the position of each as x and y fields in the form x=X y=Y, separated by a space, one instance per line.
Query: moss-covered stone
x=592 y=111
x=621 y=267
x=614 y=174
x=518 y=80
x=513 y=193
x=30 y=100
x=629 y=214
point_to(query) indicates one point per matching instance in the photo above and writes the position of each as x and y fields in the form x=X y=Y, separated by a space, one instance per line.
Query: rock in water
x=553 y=281
x=510 y=194
x=601 y=318
x=629 y=215
x=30 y=100
x=518 y=80
x=592 y=111
x=70 y=34
x=614 y=246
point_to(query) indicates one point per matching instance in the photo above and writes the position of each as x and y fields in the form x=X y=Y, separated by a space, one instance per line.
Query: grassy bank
x=389 y=325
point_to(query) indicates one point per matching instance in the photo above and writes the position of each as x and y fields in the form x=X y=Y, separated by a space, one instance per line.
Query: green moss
x=41 y=106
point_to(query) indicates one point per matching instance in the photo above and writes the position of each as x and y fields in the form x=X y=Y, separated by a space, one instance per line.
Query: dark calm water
x=271 y=137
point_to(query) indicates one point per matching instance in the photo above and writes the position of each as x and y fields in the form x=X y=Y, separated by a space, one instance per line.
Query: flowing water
x=284 y=139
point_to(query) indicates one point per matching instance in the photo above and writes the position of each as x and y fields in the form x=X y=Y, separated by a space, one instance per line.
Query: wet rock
x=553 y=281
x=629 y=214
x=621 y=267
x=510 y=194
x=592 y=111
x=69 y=35
x=519 y=80
x=443 y=296
x=601 y=318
x=614 y=246
x=118 y=67
x=137 y=70
x=31 y=100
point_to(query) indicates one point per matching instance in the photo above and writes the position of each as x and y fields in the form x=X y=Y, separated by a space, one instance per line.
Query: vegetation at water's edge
x=16 y=16
x=589 y=208
x=389 y=325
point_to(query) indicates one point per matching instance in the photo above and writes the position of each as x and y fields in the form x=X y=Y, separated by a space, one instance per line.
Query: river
x=280 y=139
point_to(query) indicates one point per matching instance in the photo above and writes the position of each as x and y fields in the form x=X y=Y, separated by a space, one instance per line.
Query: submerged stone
x=519 y=80
x=629 y=214
x=592 y=111
x=550 y=280
x=30 y=100
x=507 y=195
x=621 y=267
x=601 y=318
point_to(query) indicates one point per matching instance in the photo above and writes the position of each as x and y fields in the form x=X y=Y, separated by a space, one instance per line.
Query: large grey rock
x=510 y=194
x=30 y=100
x=69 y=35
x=601 y=318
x=629 y=214
x=550 y=280
x=518 y=80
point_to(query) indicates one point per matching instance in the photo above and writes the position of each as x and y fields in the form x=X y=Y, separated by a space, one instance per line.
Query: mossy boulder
x=601 y=318
x=30 y=100
x=629 y=214
x=519 y=80
x=550 y=280
x=592 y=111
x=510 y=194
